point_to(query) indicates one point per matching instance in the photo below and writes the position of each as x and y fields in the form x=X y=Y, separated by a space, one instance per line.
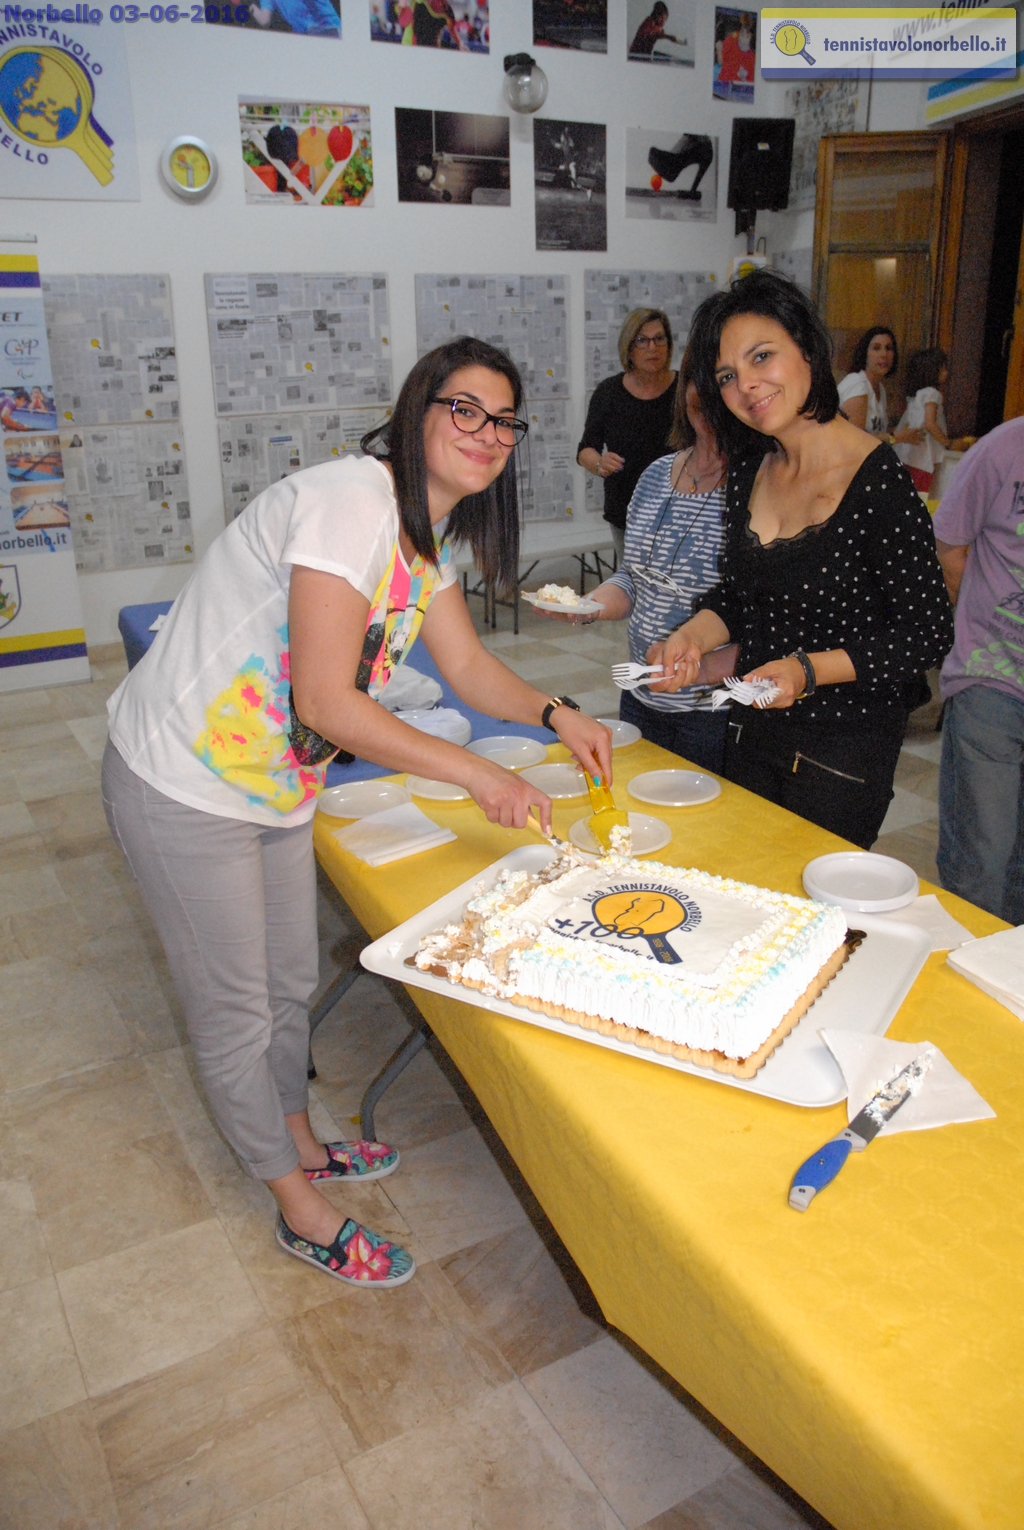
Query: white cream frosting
x=695 y=959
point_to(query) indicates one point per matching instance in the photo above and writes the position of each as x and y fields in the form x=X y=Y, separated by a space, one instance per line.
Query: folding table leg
x=386 y=1077
x=341 y=985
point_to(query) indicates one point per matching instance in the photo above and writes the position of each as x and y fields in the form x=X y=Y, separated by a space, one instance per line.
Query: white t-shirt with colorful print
x=205 y=716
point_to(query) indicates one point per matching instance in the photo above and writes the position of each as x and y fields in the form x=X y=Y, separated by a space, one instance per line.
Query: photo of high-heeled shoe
x=692 y=149
x=671 y=175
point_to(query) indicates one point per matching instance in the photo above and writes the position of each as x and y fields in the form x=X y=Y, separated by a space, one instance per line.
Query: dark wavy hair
x=859 y=359
x=682 y=434
x=773 y=297
x=923 y=370
x=488 y=522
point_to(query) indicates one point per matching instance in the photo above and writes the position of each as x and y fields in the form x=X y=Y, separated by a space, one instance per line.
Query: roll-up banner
x=42 y=636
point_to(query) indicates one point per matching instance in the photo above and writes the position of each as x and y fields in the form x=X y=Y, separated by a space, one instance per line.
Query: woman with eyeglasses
x=630 y=415
x=272 y=662
x=674 y=532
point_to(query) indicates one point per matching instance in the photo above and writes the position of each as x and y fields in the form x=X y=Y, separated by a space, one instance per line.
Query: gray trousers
x=234 y=905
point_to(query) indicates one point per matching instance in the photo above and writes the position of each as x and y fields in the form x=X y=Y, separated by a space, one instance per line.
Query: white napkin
x=439 y=722
x=391 y=835
x=158 y=621
x=868 y=1062
x=927 y=913
x=408 y=687
x=996 y=964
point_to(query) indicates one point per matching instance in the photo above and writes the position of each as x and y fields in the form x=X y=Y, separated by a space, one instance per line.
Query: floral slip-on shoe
x=357 y=1256
x=355 y=1160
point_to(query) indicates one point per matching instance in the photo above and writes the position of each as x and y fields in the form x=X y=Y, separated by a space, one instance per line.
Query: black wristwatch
x=557 y=701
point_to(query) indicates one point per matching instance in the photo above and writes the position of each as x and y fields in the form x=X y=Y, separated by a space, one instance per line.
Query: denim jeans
x=698 y=736
x=981 y=824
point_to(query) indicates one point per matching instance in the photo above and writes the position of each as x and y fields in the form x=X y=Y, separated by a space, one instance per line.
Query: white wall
x=187 y=79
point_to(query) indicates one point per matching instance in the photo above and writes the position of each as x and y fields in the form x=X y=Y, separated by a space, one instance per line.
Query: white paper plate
x=623 y=733
x=356 y=799
x=674 y=788
x=509 y=749
x=437 y=791
x=562 y=780
x=583 y=607
x=860 y=881
x=649 y=834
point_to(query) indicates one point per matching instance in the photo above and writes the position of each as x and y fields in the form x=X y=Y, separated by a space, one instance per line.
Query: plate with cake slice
x=674 y=966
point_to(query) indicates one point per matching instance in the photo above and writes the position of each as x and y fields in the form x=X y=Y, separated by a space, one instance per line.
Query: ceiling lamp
x=525 y=86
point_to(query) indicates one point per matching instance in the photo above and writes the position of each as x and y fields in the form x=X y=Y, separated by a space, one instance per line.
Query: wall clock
x=189 y=167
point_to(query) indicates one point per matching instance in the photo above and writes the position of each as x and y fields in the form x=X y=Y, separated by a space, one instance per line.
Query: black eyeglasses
x=471 y=418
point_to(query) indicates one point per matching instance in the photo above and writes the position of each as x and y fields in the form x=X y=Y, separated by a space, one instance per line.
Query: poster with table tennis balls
x=305 y=154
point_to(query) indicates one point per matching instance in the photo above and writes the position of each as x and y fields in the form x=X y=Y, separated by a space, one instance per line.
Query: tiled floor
x=164 y=1365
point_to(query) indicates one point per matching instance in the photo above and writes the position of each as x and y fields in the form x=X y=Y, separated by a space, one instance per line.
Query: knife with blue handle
x=822 y=1167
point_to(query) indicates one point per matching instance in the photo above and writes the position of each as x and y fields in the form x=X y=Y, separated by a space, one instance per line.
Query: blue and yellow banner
x=42 y=640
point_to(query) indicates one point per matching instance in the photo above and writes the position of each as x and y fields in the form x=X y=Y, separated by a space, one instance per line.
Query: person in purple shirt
x=980 y=531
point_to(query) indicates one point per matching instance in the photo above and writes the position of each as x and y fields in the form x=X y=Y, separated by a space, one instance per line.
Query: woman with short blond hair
x=630 y=414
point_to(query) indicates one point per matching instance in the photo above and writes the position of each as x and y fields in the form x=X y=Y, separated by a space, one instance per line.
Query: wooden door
x=877 y=243
x=1014 y=403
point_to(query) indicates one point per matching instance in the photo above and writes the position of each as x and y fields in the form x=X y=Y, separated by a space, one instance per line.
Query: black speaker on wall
x=759 y=167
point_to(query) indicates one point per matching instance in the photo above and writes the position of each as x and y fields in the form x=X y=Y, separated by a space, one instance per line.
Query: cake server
x=606 y=816
x=823 y=1166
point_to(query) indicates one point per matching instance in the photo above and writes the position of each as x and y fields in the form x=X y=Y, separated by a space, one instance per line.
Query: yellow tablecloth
x=869 y=1350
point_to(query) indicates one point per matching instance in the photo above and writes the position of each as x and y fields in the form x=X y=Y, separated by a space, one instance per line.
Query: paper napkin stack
x=996 y=964
x=391 y=835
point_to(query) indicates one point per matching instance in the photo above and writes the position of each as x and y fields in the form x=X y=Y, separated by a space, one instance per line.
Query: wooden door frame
x=931 y=141
x=1003 y=119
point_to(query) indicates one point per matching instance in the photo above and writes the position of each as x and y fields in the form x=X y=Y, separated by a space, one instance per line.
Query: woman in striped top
x=674 y=532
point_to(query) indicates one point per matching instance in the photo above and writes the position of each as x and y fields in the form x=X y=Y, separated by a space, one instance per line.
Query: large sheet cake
x=710 y=970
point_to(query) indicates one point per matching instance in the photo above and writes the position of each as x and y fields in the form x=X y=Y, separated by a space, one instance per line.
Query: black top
x=636 y=428
x=866 y=580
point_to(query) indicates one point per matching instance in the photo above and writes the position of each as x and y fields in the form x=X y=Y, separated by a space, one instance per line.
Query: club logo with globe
x=46 y=97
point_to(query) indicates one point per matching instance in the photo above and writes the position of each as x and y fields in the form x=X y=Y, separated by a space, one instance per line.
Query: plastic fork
x=757 y=693
x=628 y=675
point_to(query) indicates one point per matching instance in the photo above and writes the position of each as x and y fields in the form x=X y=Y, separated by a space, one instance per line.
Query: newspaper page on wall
x=128 y=496
x=258 y=450
x=42 y=635
x=549 y=488
x=525 y=316
x=821 y=107
x=112 y=341
x=116 y=375
x=608 y=297
x=281 y=342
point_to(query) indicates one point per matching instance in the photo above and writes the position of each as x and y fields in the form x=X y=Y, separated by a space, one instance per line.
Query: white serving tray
x=864 y=996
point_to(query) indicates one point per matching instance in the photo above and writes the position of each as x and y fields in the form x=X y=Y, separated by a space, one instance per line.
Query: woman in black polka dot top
x=829 y=575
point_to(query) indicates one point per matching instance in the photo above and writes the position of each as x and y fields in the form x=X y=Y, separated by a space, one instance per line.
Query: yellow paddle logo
x=792 y=39
x=637 y=912
x=46 y=98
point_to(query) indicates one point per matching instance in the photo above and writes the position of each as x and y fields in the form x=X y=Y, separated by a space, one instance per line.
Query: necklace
x=716 y=469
